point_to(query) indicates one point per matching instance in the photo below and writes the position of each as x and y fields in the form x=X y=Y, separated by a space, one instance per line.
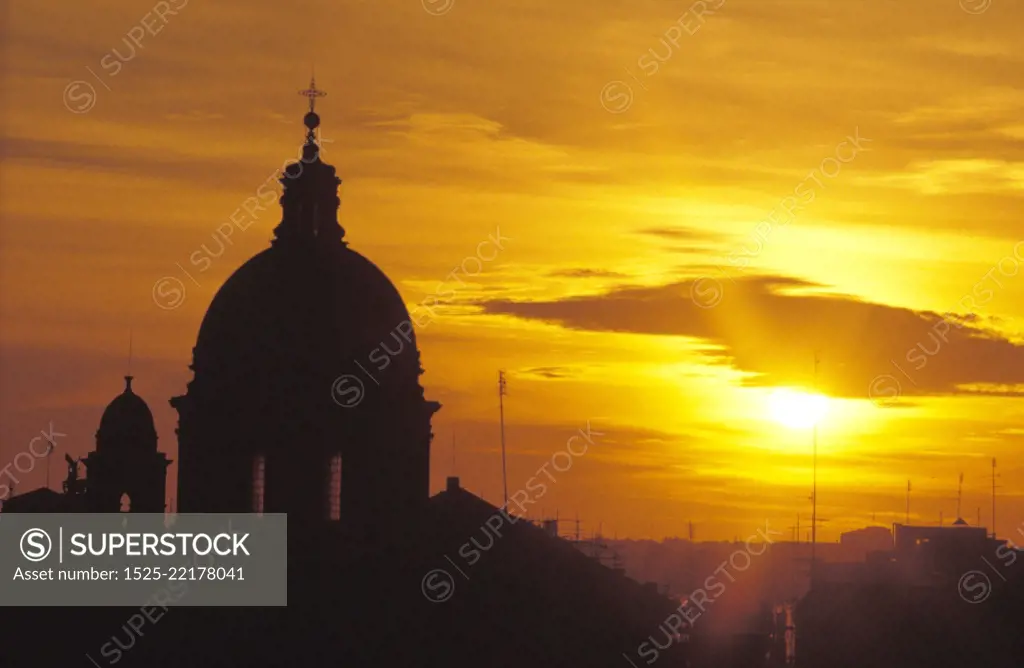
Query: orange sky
x=634 y=157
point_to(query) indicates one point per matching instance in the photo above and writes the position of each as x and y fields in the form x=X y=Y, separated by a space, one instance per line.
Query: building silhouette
x=939 y=596
x=259 y=425
x=126 y=465
x=124 y=472
x=305 y=399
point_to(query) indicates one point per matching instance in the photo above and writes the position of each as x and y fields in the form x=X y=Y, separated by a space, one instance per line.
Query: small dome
x=127 y=422
x=960 y=522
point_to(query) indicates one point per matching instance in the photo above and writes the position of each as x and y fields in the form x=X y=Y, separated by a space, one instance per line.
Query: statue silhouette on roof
x=71 y=484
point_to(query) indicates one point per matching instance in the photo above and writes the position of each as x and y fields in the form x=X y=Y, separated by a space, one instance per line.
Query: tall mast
x=993 y=497
x=907 y=522
x=501 y=411
x=959 y=496
x=814 y=483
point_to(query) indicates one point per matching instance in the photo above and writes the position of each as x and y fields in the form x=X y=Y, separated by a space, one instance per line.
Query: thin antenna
x=993 y=497
x=959 y=496
x=501 y=409
x=814 y=488
x=907 y=522
x=50 y=446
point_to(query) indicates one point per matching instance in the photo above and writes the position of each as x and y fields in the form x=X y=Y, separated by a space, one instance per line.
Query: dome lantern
x=310 y=200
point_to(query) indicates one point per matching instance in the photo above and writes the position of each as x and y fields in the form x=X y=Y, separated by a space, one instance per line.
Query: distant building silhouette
x=865 y=540
x=917 y=604
x=125 y=463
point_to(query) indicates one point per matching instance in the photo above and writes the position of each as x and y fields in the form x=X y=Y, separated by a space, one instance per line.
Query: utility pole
x=907 y=522
x=50 y=446
x=501 y=410
x=814 y=483
x=453 y=451
x=959 y=496
x=993 y=497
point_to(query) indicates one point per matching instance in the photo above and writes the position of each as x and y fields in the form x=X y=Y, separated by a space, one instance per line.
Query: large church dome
x=306 y=397
x=306 y=306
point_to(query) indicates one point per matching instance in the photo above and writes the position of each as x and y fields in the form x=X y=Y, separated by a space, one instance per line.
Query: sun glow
x=795 y=409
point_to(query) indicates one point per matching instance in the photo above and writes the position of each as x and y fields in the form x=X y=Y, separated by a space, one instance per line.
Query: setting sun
x=795 y=409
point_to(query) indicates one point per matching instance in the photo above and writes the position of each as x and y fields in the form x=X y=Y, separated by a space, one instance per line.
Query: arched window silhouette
x=334 y=489
x=259 y=472
x=126 y=503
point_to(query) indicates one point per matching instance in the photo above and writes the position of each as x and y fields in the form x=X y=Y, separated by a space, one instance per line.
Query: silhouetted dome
x=302 y=310
x=960 y=522
x=126 y=422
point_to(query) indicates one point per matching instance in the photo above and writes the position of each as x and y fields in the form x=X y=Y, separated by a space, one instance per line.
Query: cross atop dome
x=312 y=120
x=312 y=93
